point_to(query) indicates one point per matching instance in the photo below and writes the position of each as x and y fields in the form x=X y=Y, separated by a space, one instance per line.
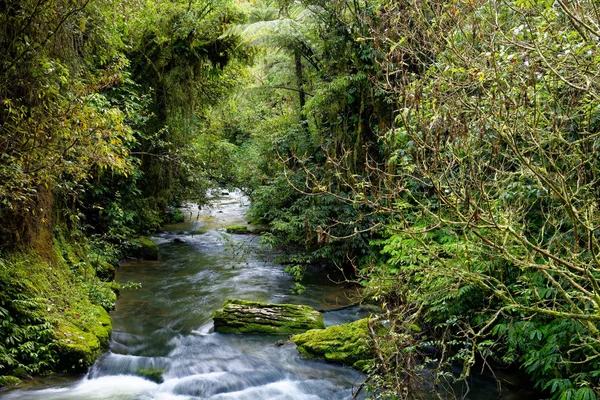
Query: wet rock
x=279 y=343
x=346 y=344
x=178 y=240
x=237 y=229
x=152 y=374
x=241 y=316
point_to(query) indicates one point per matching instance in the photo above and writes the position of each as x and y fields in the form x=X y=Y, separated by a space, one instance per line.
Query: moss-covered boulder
x=8 y=380
x=152 y=374
x=347 y=344
x=80 y=346
x=143 y=247
x=239 y=229
x=241 y=316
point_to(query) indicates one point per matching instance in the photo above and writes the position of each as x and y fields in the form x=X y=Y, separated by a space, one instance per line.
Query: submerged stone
x=241 y=316
x=347 y=344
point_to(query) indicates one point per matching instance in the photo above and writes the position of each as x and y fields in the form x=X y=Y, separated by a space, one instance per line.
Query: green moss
x=82 y=336
x=49 y=298
x=8 y=380
x=77 y=349
x=101 y=327
x=237 y=229
x=242 y=316
x=104 y=269
x=143 y=247
x=347 y=344
x=153 y=374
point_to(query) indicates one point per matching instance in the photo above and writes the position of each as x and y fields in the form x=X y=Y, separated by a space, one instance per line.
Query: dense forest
x=445 y=155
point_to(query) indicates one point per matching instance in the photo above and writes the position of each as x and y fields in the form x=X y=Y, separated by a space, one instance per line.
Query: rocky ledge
x=241 y=316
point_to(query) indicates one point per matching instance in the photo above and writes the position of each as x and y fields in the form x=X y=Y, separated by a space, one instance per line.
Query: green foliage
x=181 y=64
x=449 y=153
x=153 y=374
x=487 y=150
x=53 y=62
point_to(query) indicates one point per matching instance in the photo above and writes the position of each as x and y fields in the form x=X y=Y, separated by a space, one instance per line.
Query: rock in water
x=237 y=229
x=241 y=316
x=143 y=247
x=347 y=344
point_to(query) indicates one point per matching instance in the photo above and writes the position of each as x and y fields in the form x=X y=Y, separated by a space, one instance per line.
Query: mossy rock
x=152 y=374
x=104 y=269
x=78 y=348
x=20 y=373
x=143 y=247
x=241 y=316
x=239 y=229
x=347 y=344
x=103 y=327
x=9 y=380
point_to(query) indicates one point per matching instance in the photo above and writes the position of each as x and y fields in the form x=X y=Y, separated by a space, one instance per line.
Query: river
x=166 y=325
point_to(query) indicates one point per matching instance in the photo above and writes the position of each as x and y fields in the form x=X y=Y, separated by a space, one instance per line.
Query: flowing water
x=165 y=327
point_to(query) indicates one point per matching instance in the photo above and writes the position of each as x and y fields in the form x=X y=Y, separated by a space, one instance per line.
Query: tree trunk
x=300 y=82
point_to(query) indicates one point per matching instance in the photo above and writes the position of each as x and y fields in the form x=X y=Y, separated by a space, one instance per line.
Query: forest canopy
x=443 y=154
